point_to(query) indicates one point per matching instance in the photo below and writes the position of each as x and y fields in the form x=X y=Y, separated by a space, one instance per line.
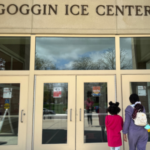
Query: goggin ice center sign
x=76 y=9
x=57 y=92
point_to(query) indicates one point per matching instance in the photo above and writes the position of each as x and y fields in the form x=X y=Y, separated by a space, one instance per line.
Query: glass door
x=13 y=112
x=54 y=126
x=93 y=96
x=139 y=84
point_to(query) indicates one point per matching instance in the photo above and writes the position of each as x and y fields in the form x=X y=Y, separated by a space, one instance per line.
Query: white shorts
x=115 y=148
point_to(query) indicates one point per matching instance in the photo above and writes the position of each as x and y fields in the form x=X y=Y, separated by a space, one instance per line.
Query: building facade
x=57 y=55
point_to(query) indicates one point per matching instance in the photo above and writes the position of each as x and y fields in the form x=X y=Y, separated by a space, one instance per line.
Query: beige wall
x=71 y=24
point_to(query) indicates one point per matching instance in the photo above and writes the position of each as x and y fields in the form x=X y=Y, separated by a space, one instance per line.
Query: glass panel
x=135 y=53
x=9 y=113
x=55 y=105
x=75 y=53
x=95 y=100
x=143 y=91
x=14 y=53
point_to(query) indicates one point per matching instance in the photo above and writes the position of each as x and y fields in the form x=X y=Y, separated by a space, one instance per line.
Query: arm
x=126 y=126
x=128 y=117
x=121 y=123
x=125 y=137
x=127 y=121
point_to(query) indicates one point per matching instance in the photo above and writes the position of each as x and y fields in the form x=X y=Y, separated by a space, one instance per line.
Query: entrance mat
x=54 y=136
x=95 y=136
x=60 y=136
x=1 y=143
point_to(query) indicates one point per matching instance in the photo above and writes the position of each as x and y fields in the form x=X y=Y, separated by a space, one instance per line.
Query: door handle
x=70 y=114
x=80 y=113
x=22 y=115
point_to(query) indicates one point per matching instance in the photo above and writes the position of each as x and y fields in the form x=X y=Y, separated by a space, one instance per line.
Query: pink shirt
x=114 y=124
x=88 y=104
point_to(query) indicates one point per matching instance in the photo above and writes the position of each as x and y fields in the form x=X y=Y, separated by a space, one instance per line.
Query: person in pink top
x=114 y=124
x=89 y=107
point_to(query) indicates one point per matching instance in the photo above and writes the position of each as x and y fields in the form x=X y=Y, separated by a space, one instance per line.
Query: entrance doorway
x=70 y=111
x=13 y=112
x=139 y=84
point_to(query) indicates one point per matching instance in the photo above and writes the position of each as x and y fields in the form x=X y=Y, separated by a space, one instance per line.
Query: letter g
x=3 y=10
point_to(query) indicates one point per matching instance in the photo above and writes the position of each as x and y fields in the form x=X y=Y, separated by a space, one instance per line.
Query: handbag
x=147 y=127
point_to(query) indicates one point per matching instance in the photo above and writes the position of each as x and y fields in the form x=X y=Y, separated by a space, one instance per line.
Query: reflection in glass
x=95 y=105
x=14 y=53
x=75 y=53
x=9 y=113
x=135 y=53
x=55 y=105
x=143 y=91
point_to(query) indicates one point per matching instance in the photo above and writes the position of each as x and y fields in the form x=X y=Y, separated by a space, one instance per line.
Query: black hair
x=113 y=108
x=134 y=98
